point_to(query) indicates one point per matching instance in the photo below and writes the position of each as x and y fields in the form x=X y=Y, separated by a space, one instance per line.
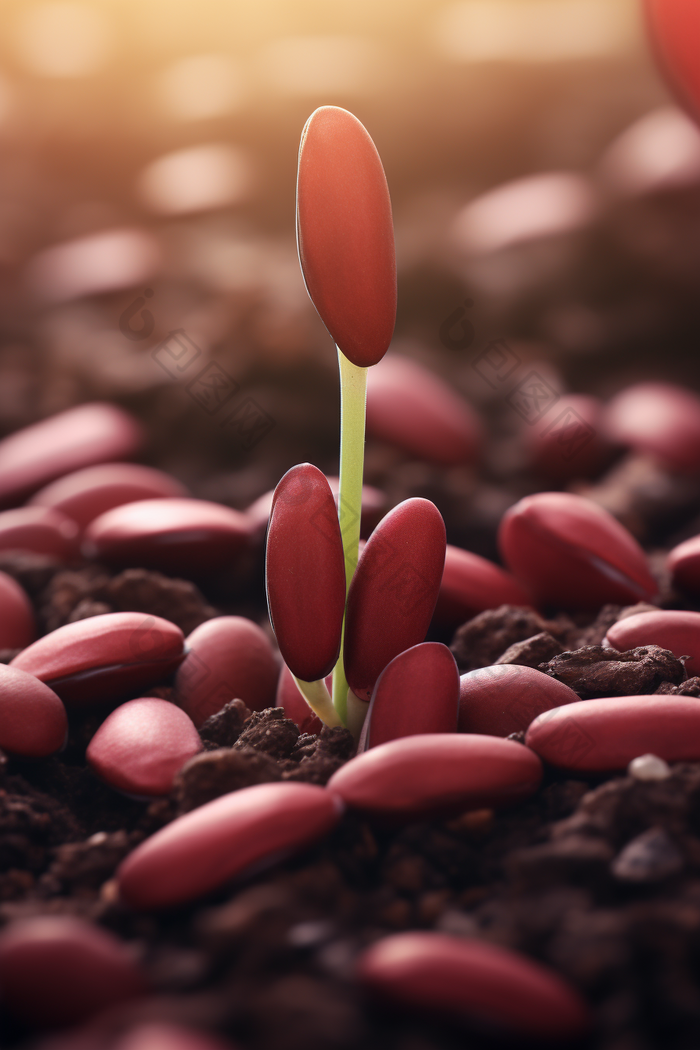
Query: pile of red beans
x=433 y=745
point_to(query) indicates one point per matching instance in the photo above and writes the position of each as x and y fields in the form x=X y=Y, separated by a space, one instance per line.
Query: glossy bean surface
x=85 y=494
x=470 y=584
x=17 y=629
x=393 y=592
x=228 y=658
x=472 y=980
x=658 y=419
x=41 y=530
x=142 y=745
x=103 y=657
x=412 y=408
x=606 y=734
x=305 y=573
x=224 y=838
x=505 y=698
x=437 y=773
x=684 y=565
x=33 y=720
x=345 y=234
x=91 y=433
x=674 y=629
x=59 y=970
x=572 y=554
x=418 y=692
x=177 y=536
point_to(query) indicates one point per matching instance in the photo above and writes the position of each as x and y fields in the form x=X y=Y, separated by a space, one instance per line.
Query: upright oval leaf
x=305 y=573
x=394 y=590
x=345 y=234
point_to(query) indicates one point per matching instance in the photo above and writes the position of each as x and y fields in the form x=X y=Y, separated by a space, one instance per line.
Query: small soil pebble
x=650 y=857
x=412 y=408
x=224 y=728
x=215 y=773
x=393 y=592
x=33 y=720
x=17 y=628
x=85 y=494
x=305 y=573
x=182 y=536
x=205 y=848
x=486 y=637
x=418 y=692
x=436 y=774
x=229 y=657
x=606 y=734
x=473 y=981
x=533 y=651
x=571 y=553
x=658 y=419
x=58 y=970
x=673 y=629
x=81 y=436
x=41 y=530
x=141 y=746
x=599 y=671
x=506 y=698
x=471 y=584
x=103 y=657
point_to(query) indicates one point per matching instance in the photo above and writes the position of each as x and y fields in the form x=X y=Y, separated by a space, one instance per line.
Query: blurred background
x=546 y=192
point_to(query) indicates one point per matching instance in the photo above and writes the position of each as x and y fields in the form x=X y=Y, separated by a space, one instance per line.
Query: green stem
x=319 y=700
x=353 y=396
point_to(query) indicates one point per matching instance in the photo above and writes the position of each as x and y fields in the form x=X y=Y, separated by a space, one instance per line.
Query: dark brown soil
x=599 y=879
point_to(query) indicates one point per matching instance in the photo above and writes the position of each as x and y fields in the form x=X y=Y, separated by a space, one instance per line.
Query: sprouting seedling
x=345 y=238
x=305 y=581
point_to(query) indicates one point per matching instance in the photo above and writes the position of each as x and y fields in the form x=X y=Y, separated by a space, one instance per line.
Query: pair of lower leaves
x=390 y=600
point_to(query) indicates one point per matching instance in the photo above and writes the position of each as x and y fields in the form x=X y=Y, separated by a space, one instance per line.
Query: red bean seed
x=417 y=692
x=228 y=658
x=470 y=584
x=210 y=845
x=142 y=745
x=571 y=553
x=294 y=704
x=345 y=234
x=159 y=1035
x=40 y=530
x=85 y=494
x=104 y=657
x=473 y=981
x=79 y=437
x=606 y=734
x=393 y=593
x=437 y=773
x=33 y=720
x=305 y=573
x=571 y=445
x=16 y=615
x=374 y=505
x=181 y=536
x=505 y=698
x=684 y=565
x=412 y=408
x=672 y=629
x=59 y=970
x=659 y=419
